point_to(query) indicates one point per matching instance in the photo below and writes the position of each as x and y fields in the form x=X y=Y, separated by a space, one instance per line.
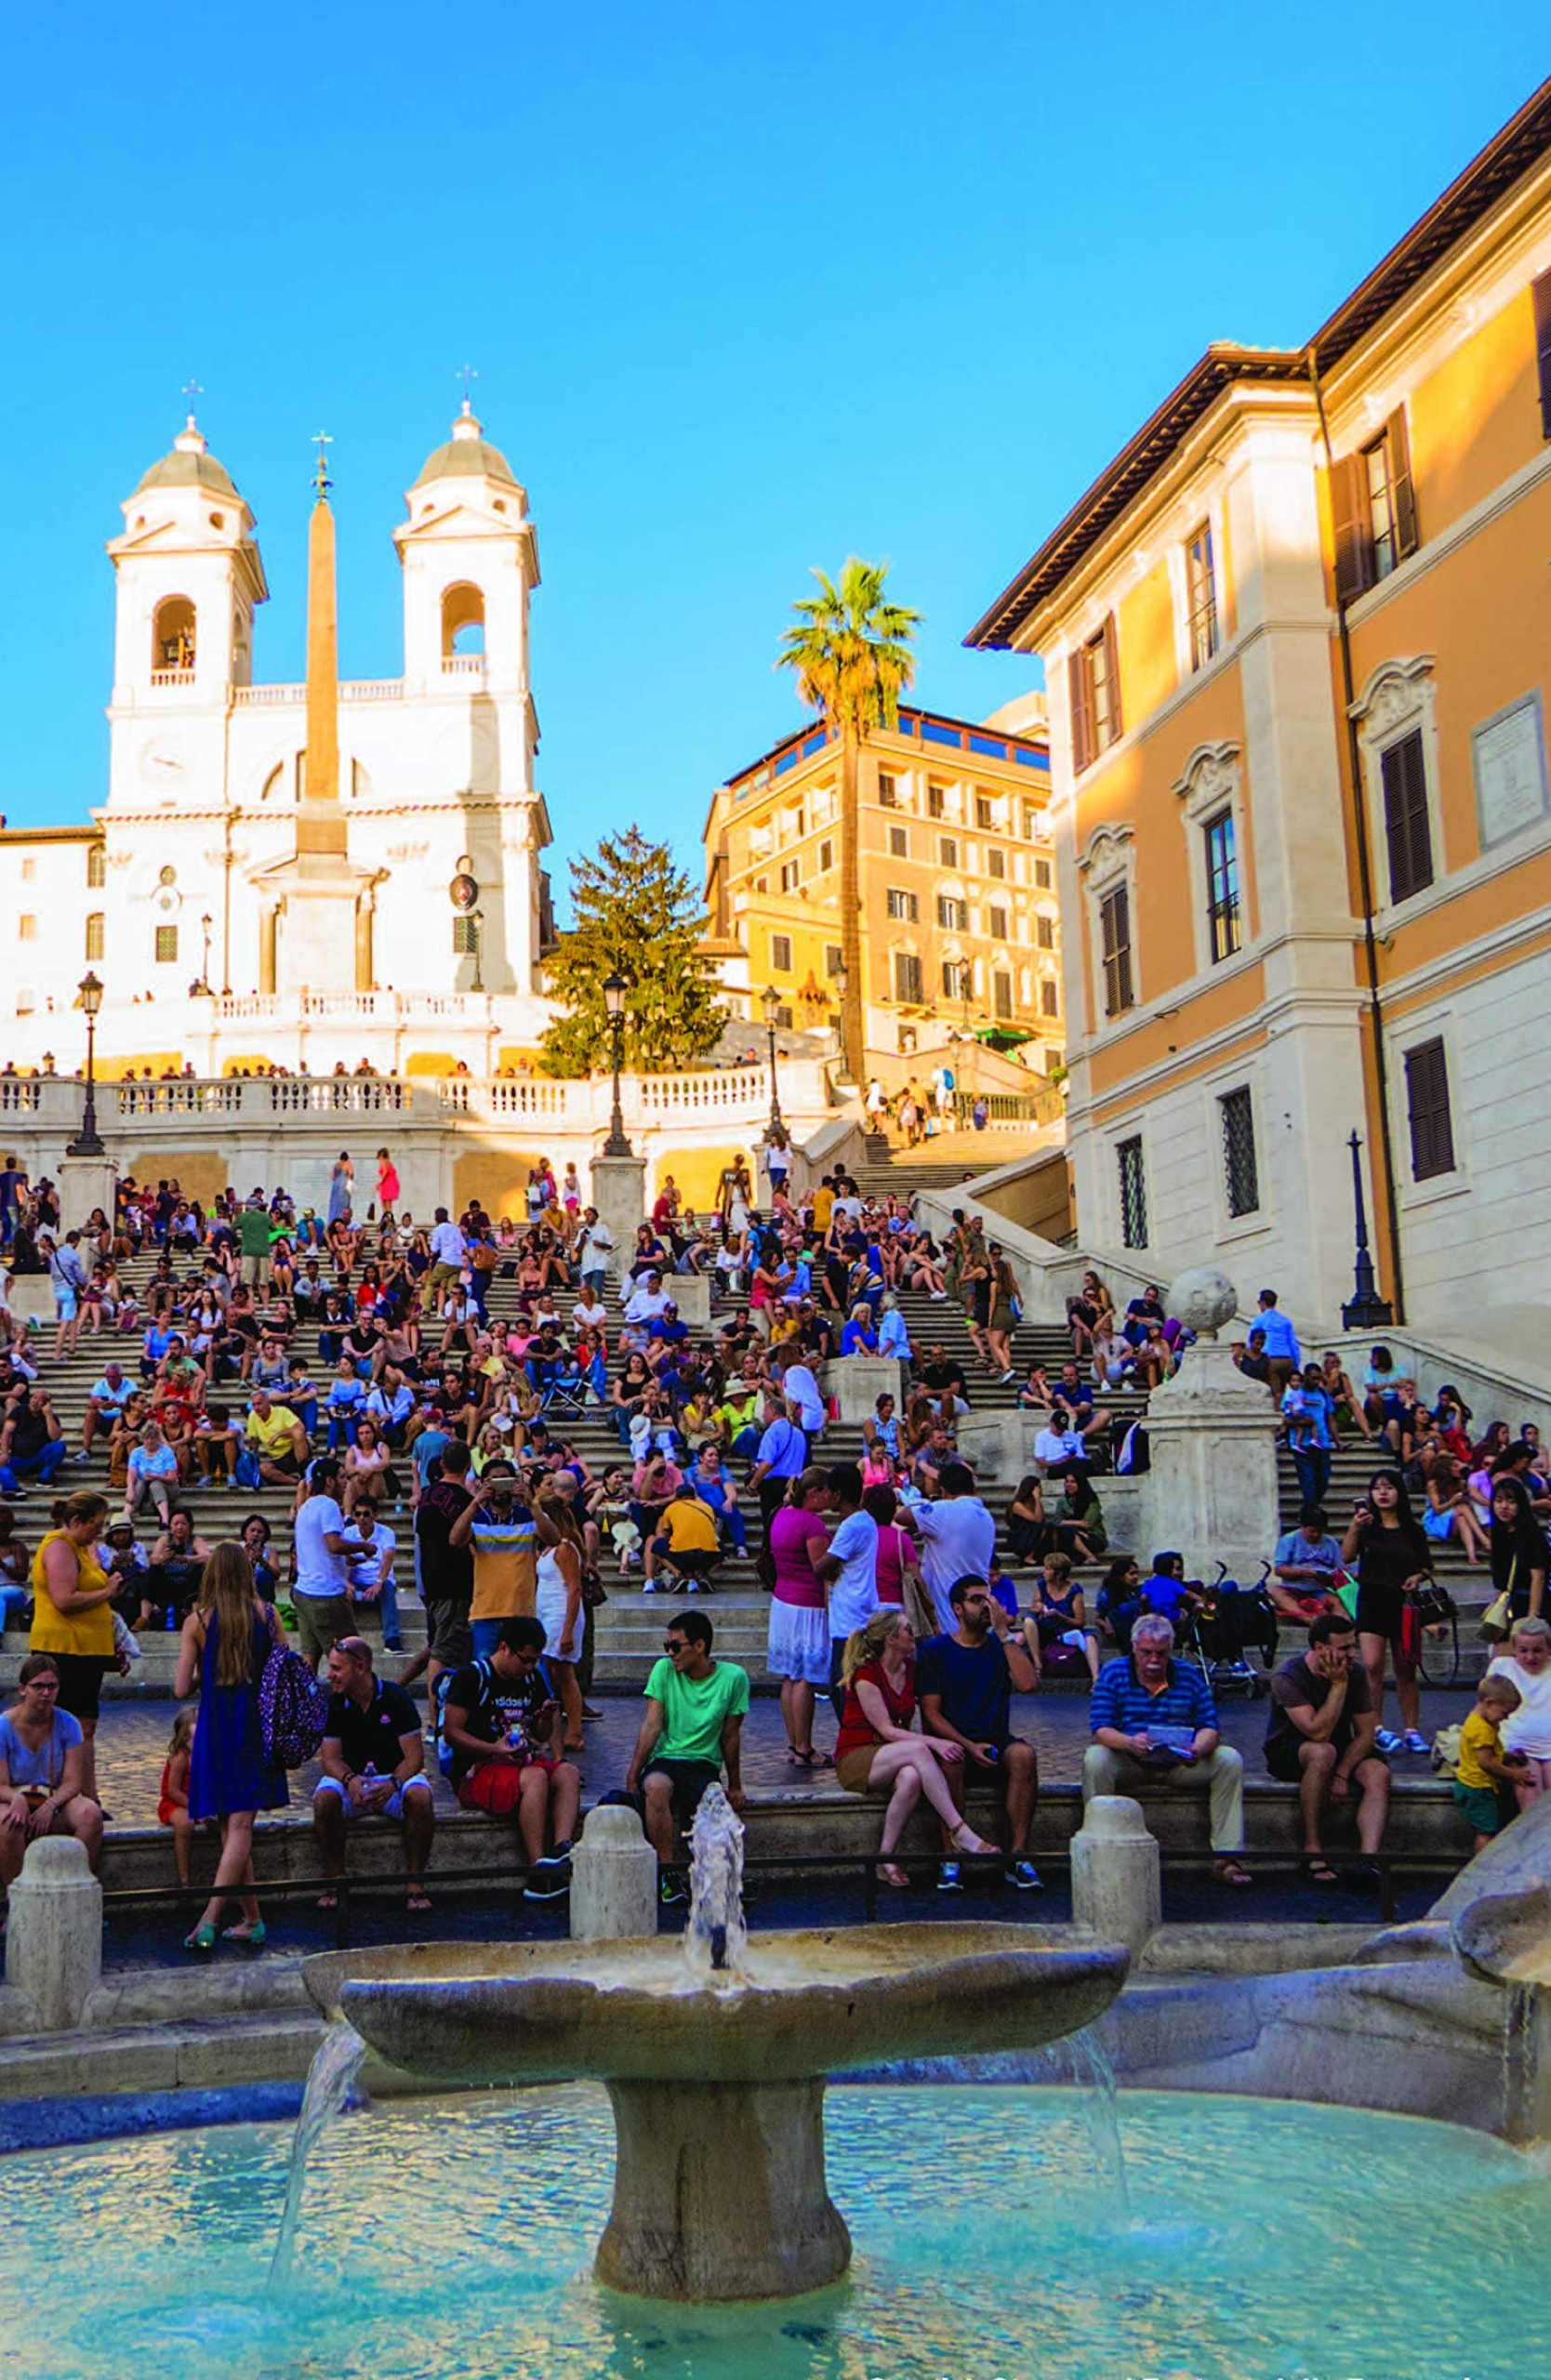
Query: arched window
x=172 y=638
x=96 y=867
x=462 y=622
x=96 y=935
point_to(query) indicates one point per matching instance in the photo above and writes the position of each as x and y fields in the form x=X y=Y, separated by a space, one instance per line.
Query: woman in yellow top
x=71 y=1617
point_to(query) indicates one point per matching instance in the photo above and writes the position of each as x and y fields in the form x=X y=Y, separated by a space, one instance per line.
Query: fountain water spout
x=716 y=1941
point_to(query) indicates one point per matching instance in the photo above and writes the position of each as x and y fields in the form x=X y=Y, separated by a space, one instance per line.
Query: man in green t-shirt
x=253 y=1241
x=693 y=1729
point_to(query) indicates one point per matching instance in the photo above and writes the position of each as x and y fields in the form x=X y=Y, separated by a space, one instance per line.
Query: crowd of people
x=357 y=1366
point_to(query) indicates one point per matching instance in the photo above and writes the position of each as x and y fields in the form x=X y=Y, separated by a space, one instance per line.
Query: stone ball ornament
x=1203 y=1300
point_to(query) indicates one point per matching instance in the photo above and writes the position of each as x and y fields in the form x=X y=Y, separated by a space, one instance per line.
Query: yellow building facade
x=1298 y=640
x=960 y=924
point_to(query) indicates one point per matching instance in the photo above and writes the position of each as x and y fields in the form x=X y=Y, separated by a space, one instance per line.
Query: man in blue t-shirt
x=1154 y=1717
x=966 y=1682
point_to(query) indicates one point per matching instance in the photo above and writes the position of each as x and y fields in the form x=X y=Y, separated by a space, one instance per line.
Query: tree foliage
x=637 y=916
x=851 y=649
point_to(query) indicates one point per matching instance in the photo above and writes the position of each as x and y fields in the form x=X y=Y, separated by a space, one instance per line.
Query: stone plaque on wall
x=1509 y=754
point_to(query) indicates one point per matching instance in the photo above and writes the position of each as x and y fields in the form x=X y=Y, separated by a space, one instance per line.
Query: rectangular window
x=1001 y=995
x=1373 y=511
x=888 y=792
x=97 y=867
x=780 y=953
x=1094 y=680
x=1201 y=579
x=1222 y=927
x=1133 y=1193
x=1115 y=929
x=1432 y=1125
x=825 y=857
x=899 y=842
x=1381 y=507
x=1240 y=1171
x=834 y=959
x=935 y=801
x=907 y=978
x=958 y=981
x=465 y=937
x=792 y=875
x=953 y=914
x=96 y=936
x=997 y=927
x=1044 y=933
x=166 y=946
x=982 y=810
x=1030 y=823
x=1042 y=876
x=947 y=851
x=1408 y=834
x=1050 y=996
x=996 y=861
x=29 y=869
x=26 y=928
x=904 y=908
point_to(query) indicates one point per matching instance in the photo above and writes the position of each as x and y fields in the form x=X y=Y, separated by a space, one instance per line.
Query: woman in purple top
x=798 y=1653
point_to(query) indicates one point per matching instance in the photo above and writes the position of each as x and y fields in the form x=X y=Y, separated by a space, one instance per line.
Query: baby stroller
x=1232 y=1620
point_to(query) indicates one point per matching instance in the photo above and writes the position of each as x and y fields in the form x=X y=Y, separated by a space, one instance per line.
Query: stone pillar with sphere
x=1212 y=1488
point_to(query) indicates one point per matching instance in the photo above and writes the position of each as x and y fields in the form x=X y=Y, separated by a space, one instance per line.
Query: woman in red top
x=877 y=1750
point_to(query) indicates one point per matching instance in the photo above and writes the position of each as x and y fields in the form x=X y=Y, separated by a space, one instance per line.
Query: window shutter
x=1541 y=292
x=1402 y=489
x=1112 y=674
x=1405 y=819
x=1354 y=551
x=1431 y=1126
x=1081 y=712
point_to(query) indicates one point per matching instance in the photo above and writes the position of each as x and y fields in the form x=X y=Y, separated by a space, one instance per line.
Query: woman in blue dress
x=226 y=1642
x=341 y=1182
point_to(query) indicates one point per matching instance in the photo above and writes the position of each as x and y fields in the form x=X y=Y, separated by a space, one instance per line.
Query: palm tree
x=851 y=649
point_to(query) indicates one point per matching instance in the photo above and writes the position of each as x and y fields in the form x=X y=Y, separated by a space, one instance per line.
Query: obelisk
x=318 y=889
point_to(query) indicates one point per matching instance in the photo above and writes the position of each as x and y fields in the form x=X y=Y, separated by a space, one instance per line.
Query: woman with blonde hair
x=227 y=1639
x=72 y=1622
x=878 y=1750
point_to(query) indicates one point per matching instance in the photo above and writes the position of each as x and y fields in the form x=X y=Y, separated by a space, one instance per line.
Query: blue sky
x=747 y=290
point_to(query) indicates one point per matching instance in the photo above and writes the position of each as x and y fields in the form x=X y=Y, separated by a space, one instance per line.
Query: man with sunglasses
x=692 y=1732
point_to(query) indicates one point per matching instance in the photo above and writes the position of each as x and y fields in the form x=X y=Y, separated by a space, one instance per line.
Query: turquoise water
x=452 y=2241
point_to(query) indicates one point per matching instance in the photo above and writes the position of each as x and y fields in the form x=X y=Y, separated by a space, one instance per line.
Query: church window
x=168 y=876
x=462 y=622
x=166 y=946
x=29 y=869
x=96 y=867
x=173 y=638
x=96 y=935
x=26 y=928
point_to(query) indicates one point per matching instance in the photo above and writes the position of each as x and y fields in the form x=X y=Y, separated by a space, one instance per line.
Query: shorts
x=65 y=1304
x=1285 y=1764
x=853 y=1769
x=285 y=1462
x=321 y=1621
x=1479 y=1804
x=496 y=1785
x=450 y=1633
x=393 y=1808
x=81 y=1676
x=689 y=1781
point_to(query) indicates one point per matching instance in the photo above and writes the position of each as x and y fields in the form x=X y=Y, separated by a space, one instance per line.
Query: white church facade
x=423 y=948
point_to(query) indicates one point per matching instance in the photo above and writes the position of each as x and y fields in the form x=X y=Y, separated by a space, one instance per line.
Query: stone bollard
x=1115 y=1873
x=54 y=1941
x=614 y=1878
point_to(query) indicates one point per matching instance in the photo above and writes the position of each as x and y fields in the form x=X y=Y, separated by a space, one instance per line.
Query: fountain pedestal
x=719 y=2192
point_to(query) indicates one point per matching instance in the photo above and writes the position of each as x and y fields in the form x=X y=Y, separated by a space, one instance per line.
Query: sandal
x=416 y=1900
x=894 y=1875
x=203 y=1939
x=1228 y=1872
x=329 y=1899
x=249 y=1936
x=1317 y=1869
x=973 y=1846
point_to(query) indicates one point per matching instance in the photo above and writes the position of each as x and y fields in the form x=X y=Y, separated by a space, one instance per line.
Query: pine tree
x=636 y=915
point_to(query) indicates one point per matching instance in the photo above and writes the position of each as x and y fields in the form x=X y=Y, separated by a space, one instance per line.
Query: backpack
x=438 y=1705
x=293 y=1708
x=1446 y=1752
x=245 y=1469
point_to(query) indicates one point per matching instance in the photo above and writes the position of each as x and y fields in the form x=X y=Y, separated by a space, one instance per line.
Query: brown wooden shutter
x=1112 y=674
x=1407 y=831
x=1354 y=543
x=1432 y=1124
x=1402 y=489
x=1079 y=701
x=1541 y=292
x=1115 y=920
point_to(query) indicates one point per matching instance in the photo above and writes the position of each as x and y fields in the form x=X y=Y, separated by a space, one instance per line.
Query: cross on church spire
x=321 y=479
x=467 y=375
x=191 y=389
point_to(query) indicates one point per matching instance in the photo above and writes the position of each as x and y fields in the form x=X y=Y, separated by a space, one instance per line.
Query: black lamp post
x=1366 y=1310
x=615 y=988
x=88 y=1140
x=476 y=919
x=770 y=1002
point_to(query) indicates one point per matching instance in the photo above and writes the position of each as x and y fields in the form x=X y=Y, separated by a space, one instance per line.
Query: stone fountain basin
x=812 y=2002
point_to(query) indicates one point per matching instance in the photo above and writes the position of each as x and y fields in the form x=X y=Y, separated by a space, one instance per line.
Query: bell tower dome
x=470 y=563
x=189 y=579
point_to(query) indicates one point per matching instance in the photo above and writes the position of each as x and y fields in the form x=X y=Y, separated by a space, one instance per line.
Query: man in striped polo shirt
x=1154 y=1717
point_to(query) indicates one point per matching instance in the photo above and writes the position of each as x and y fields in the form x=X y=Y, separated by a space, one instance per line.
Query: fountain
x=715 y=2054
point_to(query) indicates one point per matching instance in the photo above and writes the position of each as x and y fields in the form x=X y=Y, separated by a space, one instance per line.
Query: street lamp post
x=204 y=925
x=771 y=1003
x=88 y=1140
x=476 y=919
x=615 y=988
x=1366 y=1310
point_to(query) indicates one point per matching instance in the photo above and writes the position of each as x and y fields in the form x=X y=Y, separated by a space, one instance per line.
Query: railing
x=247 y=697
x=527 y=1095
x=463 y=665
x=351 y=690
x=1008 y=1106
x=251 y=1095
x=19 y=1096
x=172 y=676
x=371 y=690
x=356 y=1008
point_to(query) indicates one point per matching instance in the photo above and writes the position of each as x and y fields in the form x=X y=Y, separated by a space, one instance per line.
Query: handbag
x=1497 y=1619
x=1435 y=1606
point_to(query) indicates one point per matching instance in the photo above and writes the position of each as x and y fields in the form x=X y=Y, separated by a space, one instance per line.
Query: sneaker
x=949 y=1878
x=648 y=1586
x=692 y=1587
x=1415 y=1740
x=1387 y=1740
x=1024 y=1875
x=672 y=1891
x=82 y=1457
x=547 y=1880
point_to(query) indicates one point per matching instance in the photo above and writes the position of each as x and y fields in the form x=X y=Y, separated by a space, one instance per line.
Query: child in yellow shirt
x=1483 y=1764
